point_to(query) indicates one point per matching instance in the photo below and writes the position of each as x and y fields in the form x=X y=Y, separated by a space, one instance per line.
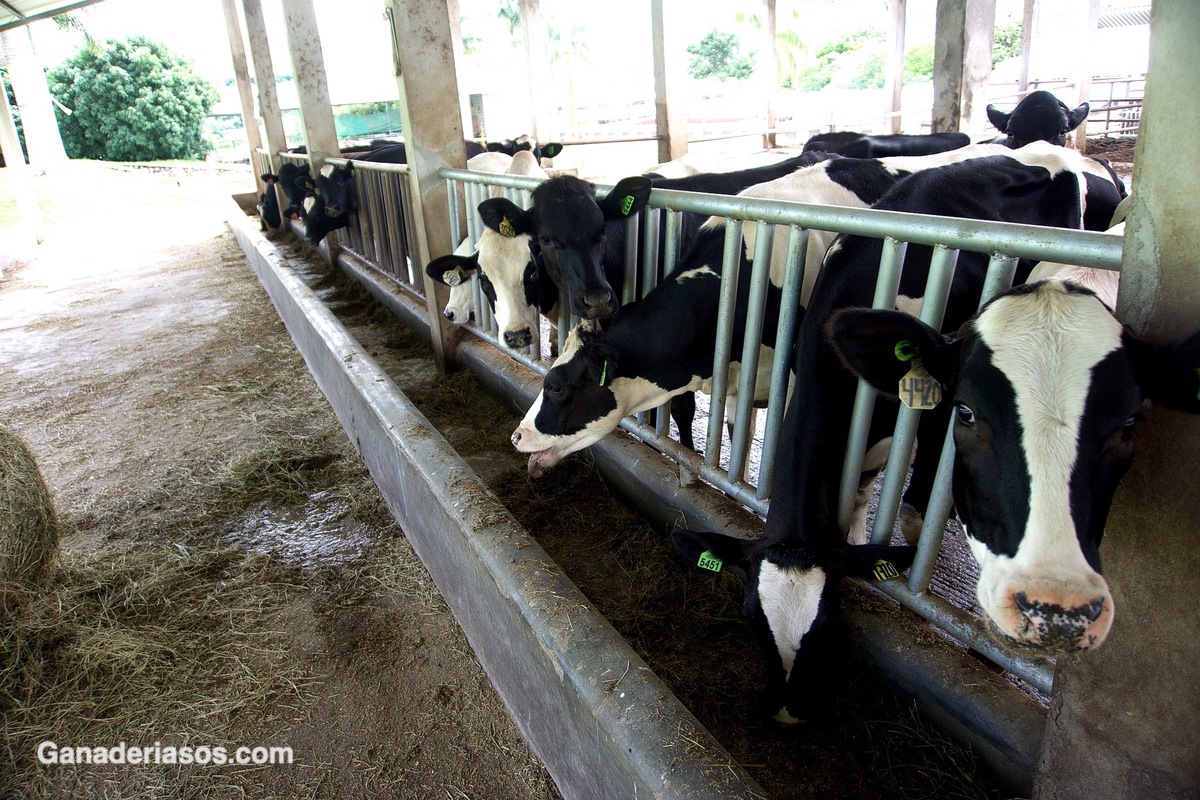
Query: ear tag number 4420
x=918 y=389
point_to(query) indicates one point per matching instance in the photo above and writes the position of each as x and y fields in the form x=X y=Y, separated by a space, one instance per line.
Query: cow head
x=571 y=231
x=456 y=271
x=336 y=187
x=1046 y=388
x=528 y=143
x=789 y=601
x=583 y=398
x=1040 y=115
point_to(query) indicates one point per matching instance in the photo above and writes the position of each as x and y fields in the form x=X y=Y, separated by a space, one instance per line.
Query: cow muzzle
x=594 y=304
x=541 y=457
x=517 y=339
x=1054 y=621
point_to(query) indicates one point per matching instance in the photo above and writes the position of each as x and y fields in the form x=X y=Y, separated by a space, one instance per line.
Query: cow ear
x=505 y=217
x=269 y=179
x=603 y=360
x=998 y=118
x=305 y=184
x=494 y=147
x=881 y=346
x=452 y=270
x=551 y=149
x=1077 y=116
x=878 y=561
x=628 y=197
x=1169 y=374
x=711 y=551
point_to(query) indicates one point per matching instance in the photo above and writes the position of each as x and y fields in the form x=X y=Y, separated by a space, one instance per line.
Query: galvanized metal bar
x=632 y=226
x=933 y=309
x=887 y=285
x=452 y=205
x=967 y=629
x=671 y=234
x=785 y=337
x=395 y=212
x=373 y=235
x=564 y=325
x=710 y=473
x=473 y=222
x=1000 y=273
x=730 y=261
x=478 y=300
x=760 y=274
x=653 y=218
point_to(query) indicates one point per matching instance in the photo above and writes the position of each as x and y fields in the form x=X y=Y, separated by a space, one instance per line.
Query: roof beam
x=16 y=23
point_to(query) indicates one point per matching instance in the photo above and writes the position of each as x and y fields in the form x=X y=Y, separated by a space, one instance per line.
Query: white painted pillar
x=538 y=59
x=241 y=73
x=670 y=75
x=769 y=66
x=1028 y=25
x=312 y=86
x=1122 y=720
x=42 y=138
x=14 y=160
x=264 y=80
x=1086 y=61
x=962 y=64
x=433 y=135
x=894 y=68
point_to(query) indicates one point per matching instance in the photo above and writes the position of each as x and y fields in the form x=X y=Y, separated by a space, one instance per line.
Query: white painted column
x=538 y=59
x=1122 y=720
x=43 y=141
x=241 y=73
x=670 y=75
x=264 y=80
x=14 y=160
x=433 y=134
x=894 y=68
x=962 y=64
x=1086 y=62
x=312 y=86
x=769 y=66
x=1028 y=25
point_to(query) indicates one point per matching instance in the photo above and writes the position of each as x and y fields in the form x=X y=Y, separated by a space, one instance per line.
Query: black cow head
x=525 y=142
x=1040 y=115
x=336 y=187
x=790 y=602
x=1046 y=388
x=572 y=237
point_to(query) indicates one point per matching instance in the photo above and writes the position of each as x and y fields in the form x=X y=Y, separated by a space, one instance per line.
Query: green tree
x=918 y=63
x=1006 y=42
x=716 y=55
x=132 y=100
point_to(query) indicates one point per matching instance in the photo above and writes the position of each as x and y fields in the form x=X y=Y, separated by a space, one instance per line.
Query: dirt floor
x=229 y=575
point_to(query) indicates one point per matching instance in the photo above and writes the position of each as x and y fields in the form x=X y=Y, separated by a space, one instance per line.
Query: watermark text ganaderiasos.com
x=49 y=752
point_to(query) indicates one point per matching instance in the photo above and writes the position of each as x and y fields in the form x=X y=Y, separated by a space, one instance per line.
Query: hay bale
x=28 y=528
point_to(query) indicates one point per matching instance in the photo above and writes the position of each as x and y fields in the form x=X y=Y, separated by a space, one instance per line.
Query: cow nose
x=595 y=303
x=515 y=438
x=1055 y=625
x=521 y=338
x=448 y=314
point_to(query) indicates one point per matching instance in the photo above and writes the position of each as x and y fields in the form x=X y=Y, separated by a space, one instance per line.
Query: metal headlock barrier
x=378 y=235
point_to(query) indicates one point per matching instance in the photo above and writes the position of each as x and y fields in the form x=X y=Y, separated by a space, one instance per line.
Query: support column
x=962 y=64
x=1028 y=23
x=241 y=73
x=312 y=86
x=669 y=77
x=894 y=68
x=538 y=60
x=769 y=64
x=43 y=142
x=433 y=134
x=14 y=160
x=264 y=75
x=1122 y=720
x=1090 y=11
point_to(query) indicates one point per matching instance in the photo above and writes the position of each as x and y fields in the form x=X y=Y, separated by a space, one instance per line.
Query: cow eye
x=1128 y=428
x=964 y=414
x=553 y=389
x=545 y=241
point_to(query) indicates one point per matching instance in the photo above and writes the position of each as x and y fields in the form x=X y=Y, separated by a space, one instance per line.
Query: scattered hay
x=28 y=528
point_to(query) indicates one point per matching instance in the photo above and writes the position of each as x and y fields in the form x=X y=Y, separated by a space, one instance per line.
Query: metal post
x=730 y=264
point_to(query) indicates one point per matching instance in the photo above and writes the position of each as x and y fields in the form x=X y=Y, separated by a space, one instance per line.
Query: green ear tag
x=884 y=570
x=918 y=389
x=626 y=204
x=506 y=228
x=710 y=562
x=904 y=350
x=604 y=372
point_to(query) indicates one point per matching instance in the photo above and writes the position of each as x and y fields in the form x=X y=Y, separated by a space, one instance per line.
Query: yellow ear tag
x=506 y=228
x=452 y=277
x=884 y=570
x=918 y=390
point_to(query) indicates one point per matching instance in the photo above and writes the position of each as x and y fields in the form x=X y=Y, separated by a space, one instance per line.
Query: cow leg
x=683 y=411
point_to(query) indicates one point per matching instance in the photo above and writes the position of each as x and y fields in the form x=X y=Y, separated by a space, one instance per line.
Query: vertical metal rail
x=670 y=237
x=785 y=338
x=887 y=285
x=730 y=262
x=760 y=273
x=933 y=309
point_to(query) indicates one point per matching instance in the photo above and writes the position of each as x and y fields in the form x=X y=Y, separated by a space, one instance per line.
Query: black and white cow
x=525 y=143
x=864 y=145
x=669 y=335
x=1045 y=386
x=268 y=204
x=1039 y=116
x=291 y=177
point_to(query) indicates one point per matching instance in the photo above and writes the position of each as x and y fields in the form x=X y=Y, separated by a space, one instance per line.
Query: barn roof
x=15 y=13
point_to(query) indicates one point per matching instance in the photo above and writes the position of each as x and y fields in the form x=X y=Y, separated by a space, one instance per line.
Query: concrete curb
x=600 y=720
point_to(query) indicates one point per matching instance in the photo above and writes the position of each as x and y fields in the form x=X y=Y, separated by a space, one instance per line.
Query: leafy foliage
x=832 y=57
x=131 y=100
x=716 y=55
x=1006 y=42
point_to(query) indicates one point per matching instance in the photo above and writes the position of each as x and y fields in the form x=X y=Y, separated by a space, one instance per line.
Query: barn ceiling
x=15 y=13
